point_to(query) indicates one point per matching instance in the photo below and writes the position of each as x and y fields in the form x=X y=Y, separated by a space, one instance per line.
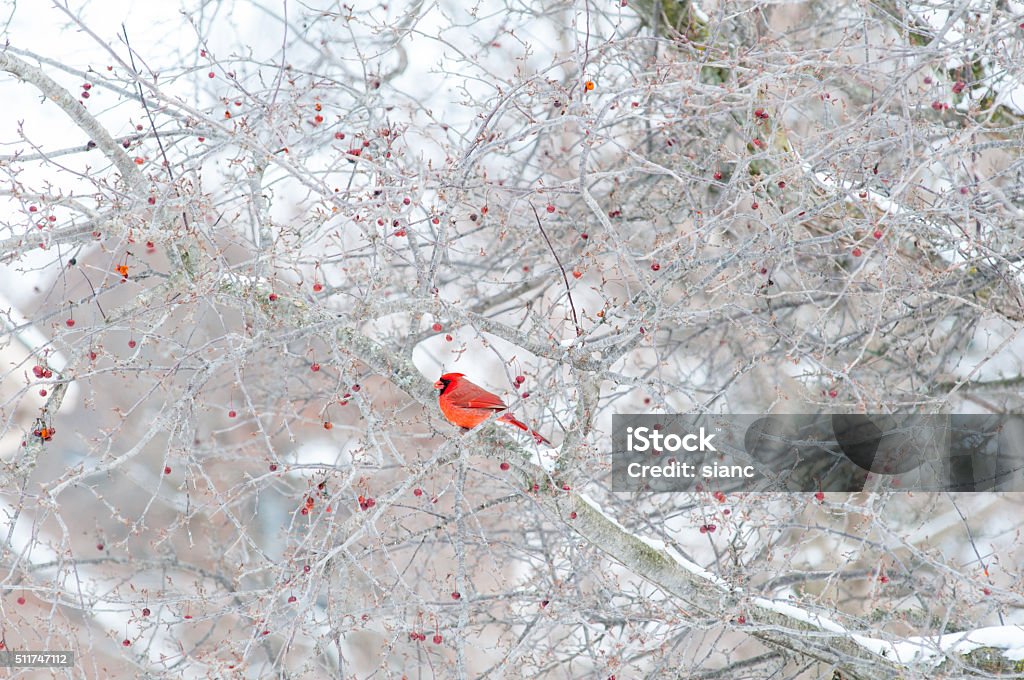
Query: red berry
x=317 y=287
x=328 y=424
x=456 y=595
x=167 y=469
x=272 y=297
x=436 y=327
x=145 y=611
x=820 y=496
x=151 y=200
x=406 y=201
x=21 y=600
x=958 y=86
x=314 y=367
x=856 y=252
x=704 y=529
x=92 y=355
x=127 y=643
x=584 y=236
x=339 y=135
x=576 y=273
x=273 y=467
x=572 y=515
x=37 y=370
x=70 y=323
x=417 y=492
x=42 y=393
x=566 y=487
x=525 y=395
x=47 y=373
x=833 y=394
x=437 y=639
x=232 y=413
x=211 y=74
x=520 y=379
x=655 y=267
x=448 y=337
x=131 y=344
x=504 y=465
x=99 y=546
x=550 y=208
x=32 y=208
x=717 y=175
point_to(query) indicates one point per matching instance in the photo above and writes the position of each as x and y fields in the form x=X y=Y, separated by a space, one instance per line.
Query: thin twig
x=568 y=290
x=145 y=106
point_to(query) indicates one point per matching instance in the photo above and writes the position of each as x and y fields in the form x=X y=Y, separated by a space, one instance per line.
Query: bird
x=466 y=404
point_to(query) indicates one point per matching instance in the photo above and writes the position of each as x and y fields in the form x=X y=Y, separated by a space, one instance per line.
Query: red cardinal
x=467 y=405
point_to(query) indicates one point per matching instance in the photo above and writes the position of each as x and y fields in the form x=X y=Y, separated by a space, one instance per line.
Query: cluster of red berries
x=366 y=503
x=420 y=637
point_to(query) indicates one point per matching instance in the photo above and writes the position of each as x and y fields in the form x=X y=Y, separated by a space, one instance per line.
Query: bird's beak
x=438 y=385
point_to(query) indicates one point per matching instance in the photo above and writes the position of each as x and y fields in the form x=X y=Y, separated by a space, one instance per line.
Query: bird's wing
x=486 y=401
x=471 y=395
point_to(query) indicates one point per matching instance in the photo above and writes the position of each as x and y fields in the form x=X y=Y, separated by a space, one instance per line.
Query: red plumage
x=466 y=404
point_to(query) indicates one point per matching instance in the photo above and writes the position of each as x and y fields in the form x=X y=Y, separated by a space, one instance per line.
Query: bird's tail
x=511 y=420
